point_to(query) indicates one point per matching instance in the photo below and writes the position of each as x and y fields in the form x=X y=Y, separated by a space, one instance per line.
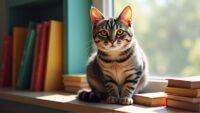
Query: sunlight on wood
x=58 y=98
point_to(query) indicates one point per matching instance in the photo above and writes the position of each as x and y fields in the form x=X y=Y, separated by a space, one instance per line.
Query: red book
x=42 y=56
x=36 y=52
x=6 y=63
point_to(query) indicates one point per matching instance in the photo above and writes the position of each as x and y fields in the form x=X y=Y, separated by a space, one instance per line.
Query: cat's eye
x=120 y=32
x=103 y=33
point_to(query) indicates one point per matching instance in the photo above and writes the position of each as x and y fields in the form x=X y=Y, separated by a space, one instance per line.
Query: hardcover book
x=6 y=63
x=19 y=38
x=35 y=59
x=75 y=78
x=185 y=99
x=187 y=82
x=25 y=71
x=54 y=67
x=195 y=107
x=151 y=99
x=42 y=56
x=183 y=91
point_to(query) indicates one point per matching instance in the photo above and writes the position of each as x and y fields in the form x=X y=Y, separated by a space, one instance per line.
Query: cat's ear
x=126 y=16
x=96 y=15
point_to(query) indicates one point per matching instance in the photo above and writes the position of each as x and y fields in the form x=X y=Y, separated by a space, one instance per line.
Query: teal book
x=25 y=70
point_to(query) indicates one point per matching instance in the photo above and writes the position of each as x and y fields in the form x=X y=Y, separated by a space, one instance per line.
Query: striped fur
x=119 y=68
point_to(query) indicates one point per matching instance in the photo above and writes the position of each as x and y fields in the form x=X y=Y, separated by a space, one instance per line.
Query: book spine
x=26 y=63
x=39 y=85
x=6 y=64
x=35 y=60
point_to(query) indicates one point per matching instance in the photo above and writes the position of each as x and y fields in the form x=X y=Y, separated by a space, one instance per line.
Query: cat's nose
x=112 y=41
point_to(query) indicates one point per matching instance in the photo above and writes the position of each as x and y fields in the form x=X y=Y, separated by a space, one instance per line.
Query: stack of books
x=33 y=57
x=151 y=99
x=184 y=93
x=75 y=83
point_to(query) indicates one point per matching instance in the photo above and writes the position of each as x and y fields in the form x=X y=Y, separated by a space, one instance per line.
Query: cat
x=118 y=68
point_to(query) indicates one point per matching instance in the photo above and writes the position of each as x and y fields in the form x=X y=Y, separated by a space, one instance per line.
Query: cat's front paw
x=126 y=101
x=112 y=100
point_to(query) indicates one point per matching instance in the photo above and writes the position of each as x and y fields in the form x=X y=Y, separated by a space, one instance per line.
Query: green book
x=25 y=70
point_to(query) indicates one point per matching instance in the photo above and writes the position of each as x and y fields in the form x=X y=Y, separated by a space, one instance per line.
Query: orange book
x=54 y=63
x=151 y=99
x=195 y=107
x=186 y=99
x=35 y=59
x=186 y=82
x=75 y=78
x=76 y=84
x=19 y=38
x=183 y=91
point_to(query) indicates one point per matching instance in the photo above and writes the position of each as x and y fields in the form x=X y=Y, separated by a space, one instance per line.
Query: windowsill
x=68 y=102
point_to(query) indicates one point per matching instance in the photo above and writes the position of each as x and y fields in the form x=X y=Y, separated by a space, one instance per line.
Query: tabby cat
x=118 y=68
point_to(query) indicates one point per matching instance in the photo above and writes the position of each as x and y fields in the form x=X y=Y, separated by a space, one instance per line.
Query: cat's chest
x=116 y=71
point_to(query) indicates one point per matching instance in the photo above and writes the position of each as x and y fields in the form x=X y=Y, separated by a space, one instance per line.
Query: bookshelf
x=77 y=27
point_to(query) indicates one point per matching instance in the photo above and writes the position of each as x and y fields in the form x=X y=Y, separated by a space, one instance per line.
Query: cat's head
x=113 y=34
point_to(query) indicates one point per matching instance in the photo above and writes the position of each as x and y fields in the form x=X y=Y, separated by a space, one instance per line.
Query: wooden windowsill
x=68 y=102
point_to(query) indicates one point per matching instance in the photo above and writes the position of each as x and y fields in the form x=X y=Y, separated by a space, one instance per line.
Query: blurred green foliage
x=169 y=33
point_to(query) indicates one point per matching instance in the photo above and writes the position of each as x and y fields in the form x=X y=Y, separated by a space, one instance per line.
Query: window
x=169 y=33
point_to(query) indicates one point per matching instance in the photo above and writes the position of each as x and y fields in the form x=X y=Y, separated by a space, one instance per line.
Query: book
x=35 y=59
x=195 y=107
x=54 y=63
x=76 y=84
x=151 y=99
x=75 y=78
x=25 y=71
x=6 y=63
x=185 y=99
x=187 y=82
x=42 y=55
x=19 y=38
x=183 y=91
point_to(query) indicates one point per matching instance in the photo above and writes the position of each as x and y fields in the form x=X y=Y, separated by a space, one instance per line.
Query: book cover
x=19 y=37
x=54 y=67
x=25 y=71
x=195 y=107
x=186 y=99
x=151 y=99
x=42 y=55
x=183 y=91
x=6 y=63
x=186 y=82
x=35 y=59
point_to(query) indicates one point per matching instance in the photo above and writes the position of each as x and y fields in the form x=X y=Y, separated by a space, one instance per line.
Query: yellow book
x=183 y=91
x=54 y=66
x=19 y=38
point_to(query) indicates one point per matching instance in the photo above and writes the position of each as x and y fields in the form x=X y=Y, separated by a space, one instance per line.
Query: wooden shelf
x=68 y=102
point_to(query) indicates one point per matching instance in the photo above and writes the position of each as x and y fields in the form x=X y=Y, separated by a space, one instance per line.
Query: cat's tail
x=89 y=96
